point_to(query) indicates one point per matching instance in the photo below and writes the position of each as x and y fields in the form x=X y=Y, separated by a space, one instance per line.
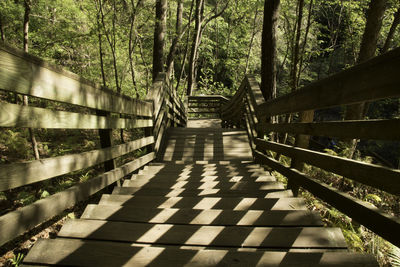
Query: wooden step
x=210 y=236
x=201 y=203
x=220 y=165
x=256 y=171
x=137 y=191
x=205 y=158
x=72 y=252
x=156 y=191
x=216 y=217
x=159 y=183
x=201 y=178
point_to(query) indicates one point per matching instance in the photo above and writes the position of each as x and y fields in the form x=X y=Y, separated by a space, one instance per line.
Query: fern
x=17 y=259
x=394 y=256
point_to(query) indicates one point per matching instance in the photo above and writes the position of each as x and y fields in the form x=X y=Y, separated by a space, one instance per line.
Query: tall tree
x=392 y=30
x=369 y=42
x=179 y=32
x=131 y=41
x=28 y=6
x=201 y=22
x=159 y=36
x=268 y=49
x=3 y=37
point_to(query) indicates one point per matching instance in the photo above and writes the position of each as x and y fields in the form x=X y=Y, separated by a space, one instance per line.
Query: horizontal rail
x=19 y=174
x=376 y=176
x=364 y=213
x=374 y=79
x=12 y=115
x=208 y=97
x=368 y=129
x=25 y=74
x=17 y=222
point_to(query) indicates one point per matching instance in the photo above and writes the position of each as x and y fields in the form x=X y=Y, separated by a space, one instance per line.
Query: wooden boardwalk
x=205 y=204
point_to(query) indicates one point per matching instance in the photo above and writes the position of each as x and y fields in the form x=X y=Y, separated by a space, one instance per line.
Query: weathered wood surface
x=371 y=80
x=385 y=225
x=17 y=222
x=373 y=175
x=183 y=192
x=240 y=185
x=173 y=206
x=25 y=74
x=204 y=203
x=202 y=217
x=213 y=236
x=18 y=174
x=12 y=115
x=94 y=253
x=368 y=129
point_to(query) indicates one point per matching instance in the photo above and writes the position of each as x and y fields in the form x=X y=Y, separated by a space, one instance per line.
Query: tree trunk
x=130 y=44
x=200 y=26
x=392 y=30
x=159 y=36
x=103 y=75
x=195 y=42
x=178 y=36
x=367 y=50
x=3 y=37
x=268 y=49
x=253 y=34
x=304 y=45
x=186 y=49
x=27 y=5
x=297 y=46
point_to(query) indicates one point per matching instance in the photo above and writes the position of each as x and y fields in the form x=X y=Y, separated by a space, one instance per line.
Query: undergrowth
x=358 y=237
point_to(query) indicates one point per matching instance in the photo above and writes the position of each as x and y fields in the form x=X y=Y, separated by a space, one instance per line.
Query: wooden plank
x=137 y=191
x=385 y=225
x=194 y=235
x=18 y=174
x=25 y=74
x=203 y=203
x=203 y=112
x=241 y=185
x=215 y=217
x=207 y=97
x=12 y=115
x=374 y=79
x=369 y=174
x=254 y=91
x=235 y=98
x=72 y=252
x=17 y=222
x=368 y=129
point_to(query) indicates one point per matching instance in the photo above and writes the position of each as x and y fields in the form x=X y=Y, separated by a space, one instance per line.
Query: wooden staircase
x=204 y=204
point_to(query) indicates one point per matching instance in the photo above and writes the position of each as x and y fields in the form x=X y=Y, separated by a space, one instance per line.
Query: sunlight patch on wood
x=163 y=215
x=245 y=204
x=205 y=235
x=207 y=203
x=206 y=217
x=250 y=217
x=155 y=233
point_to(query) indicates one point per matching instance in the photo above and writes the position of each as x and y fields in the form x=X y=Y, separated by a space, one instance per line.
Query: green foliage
x=17 y=259
x=15 y=143
x=26 y=198
x=394 y=256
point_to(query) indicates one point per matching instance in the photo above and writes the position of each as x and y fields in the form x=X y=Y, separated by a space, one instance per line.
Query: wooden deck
x=205 y=204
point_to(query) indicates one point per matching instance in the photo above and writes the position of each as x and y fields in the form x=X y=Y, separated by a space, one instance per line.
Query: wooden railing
x=104 y=110
x=375 y=79
x=207 y=106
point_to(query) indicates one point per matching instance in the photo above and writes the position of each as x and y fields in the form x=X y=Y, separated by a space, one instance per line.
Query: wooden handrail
x=371 y=80
x=206 y=104
x=25 y=74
